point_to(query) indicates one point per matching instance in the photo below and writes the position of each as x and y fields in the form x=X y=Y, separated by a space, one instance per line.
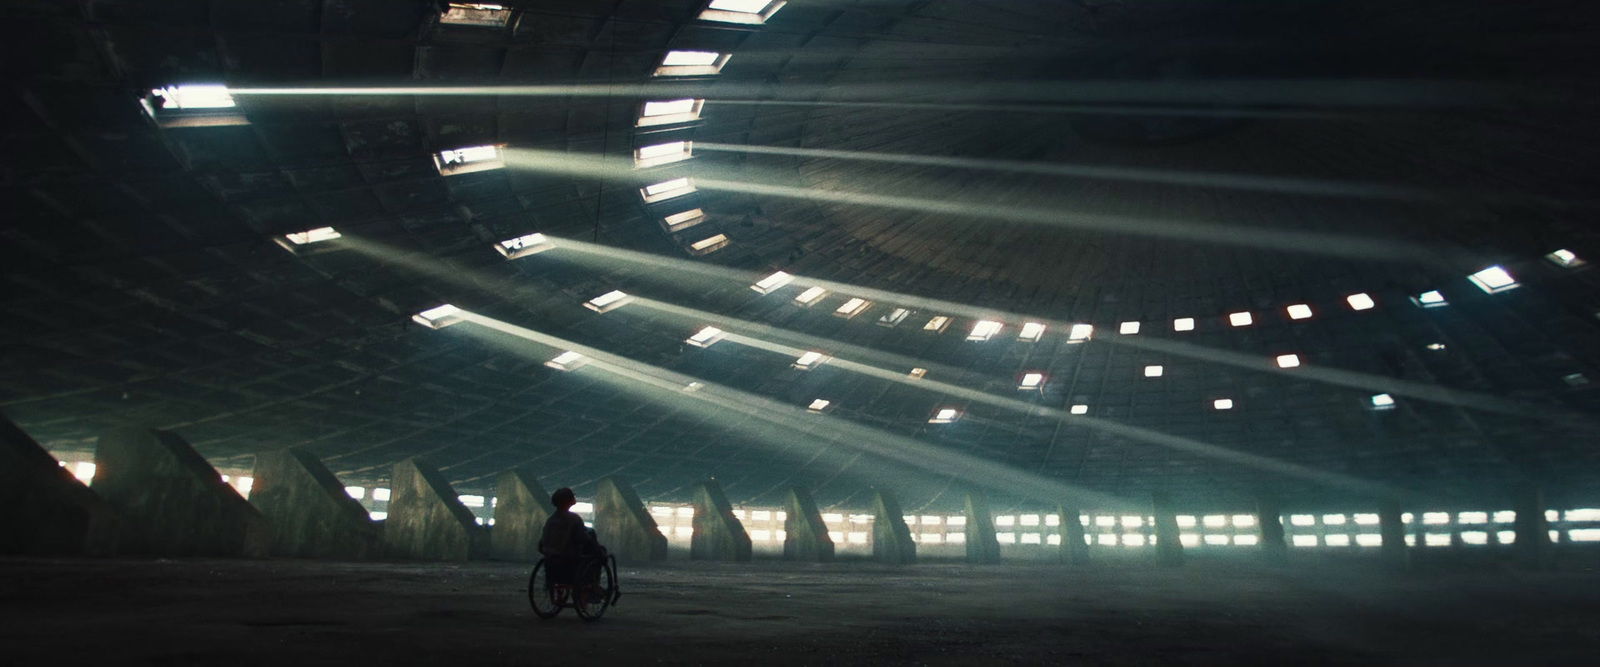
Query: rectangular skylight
x=984 y=330
x=810 y=360
x=852 y=308
x=818 y=405
x=1080 y=333
x=692 y=63
x=522 y=246
x=1382 y=401
x=812 y=295
x=894 y=318
x=439 y=317
x=917 y=373
x=84 y=471
x=937 y=324
x=749 y=12
x=1031 y=381
x=670 y=111
x=665 y=190
x=772 y=282
x=484 y=16
x=203 y=105
x=1222 y=404
x=568 y=361
x=1493 y=280
x=1031 y=332
x=1288 y=360
x=1430 y=299
x=709 y=245
x=1299 y=311
x=1128 y=328
x=608 y=302
x=693 y=387
x=1360 y=301
x=1080 y=409
x=381 y=494
x=1241 y=319
x=312 y=236
x=1153 y=371
x=1183 y=324
x=944 y=416
x=204 y=96
x=469 y=160
x=659 y=154
x=1565 y=259
x=678 y=222
x=706 y=337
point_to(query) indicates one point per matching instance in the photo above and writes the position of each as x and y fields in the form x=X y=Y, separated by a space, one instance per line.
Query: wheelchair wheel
x=546 y=598
x=594 y=588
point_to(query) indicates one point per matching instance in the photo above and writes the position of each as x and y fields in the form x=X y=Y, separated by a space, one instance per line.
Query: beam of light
x=906 y=451
x=1251 y=182
x=1173 y=442
x=742 y=181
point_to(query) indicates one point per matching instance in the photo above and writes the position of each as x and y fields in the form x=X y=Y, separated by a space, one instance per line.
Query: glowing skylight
x=818 y=405
x=669 y=112
x=205 y=96
x=357 y=492
x=84 y=471
x=1128 y=328
x=1222 y=404
x=567 y=361
x=381 y=494
x=693 y=387
x=1153 y=371
x=852 y=308
x=1435 y=346
x=1360 y=301
x=1430 y=299
x=522 y=246
x=810 y=360
x=917 y=373
x=1565 y=259
x=665 y=190
x=706 y=337
x=471 y=500
x=1031 y=332
x=659 y=154
x=1080 y=409
x=751 y=12
x=944 y=416
x=1493 y=280
x=1299 y=311
x=608 y=302
x=709 y=245
x=894 y=318
x=438 y=317
x=812 y=295
x=772 y=282
x=1080 y=332
x=1031 y=381
x=691 y=63
x=487 y=16
x=1240 y=319
x=312 y=236
x=1183 y=324
x=984 y=330
x=1382 y=401
x=937 y=324
x=469 y=160
x=1288 y=360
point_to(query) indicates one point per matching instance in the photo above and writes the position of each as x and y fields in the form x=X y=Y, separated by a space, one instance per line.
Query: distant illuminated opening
x=1360 y=301
x=1128 y=328
x=709 y=245
x=1153 y=371
x=917 y=373
x=1031 y=332
x=1080 y=333
x=1430 y=299
x=749 y=12
x=608 y=302
x=469 y=160
x=809 y=361
x=1299 y=311
x=1288 y=360
x=894 y=318
x=317 y=235
x=568 y=361
x=692 y=63
x=659 y=154
x=1222 y=404
x=937 y=324
x=1031 y=381
x=855 y=306
x=772 y=282
x=438 y=317
x=522 y=246
x=1240 y=319
x=1565 y=259
x=984 y=330
x=706 y=337
x=669 y=112
x=1494 y=280
x=1080 y=409
x=480 y=15
x=818 y=405
x=944 y=416
x=1183 y=324
x=812 y=295
x=1382 y=402
x=665 y=190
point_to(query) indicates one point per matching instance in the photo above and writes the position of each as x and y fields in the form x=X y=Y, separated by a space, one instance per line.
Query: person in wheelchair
x=566 y=541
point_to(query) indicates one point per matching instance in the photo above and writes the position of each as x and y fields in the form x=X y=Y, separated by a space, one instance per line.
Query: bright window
x=1222 y=404
x=984 y=330
x=1288 y=360
x=917 y=373
x=678 y=222
x=209 y=96
x=1360 y=301
x=469 y=160
x=1080 y=409
x=567 y=361
x=945 y=416
x=608 y=302
x=313 y=236
x=937 y=324
x=357 y=492
x=1128 y=328
x=1564 y=258
x=486 y=16
x=691 y=63
x=895 y=318
x=1031 y=332
x=852 y=308
x=1493 y=280
x=1152 y=371
x=522 y=246
x=706 y=337
x=1430 y=299
x=819 y=405
x=665 y=190
x=438 y=317
x=1031 y=381
x=670 y=108
x=810 y=360
x=659 y=154
x=1338 y=540
x=772 y=282
x=709 y=245
x=1240 y=319
x=810 y=296
x=1382 y=401
x=380 y=494
x=1183 y=324
x=1299 y=311
x=751 y=12
x=1080 y=333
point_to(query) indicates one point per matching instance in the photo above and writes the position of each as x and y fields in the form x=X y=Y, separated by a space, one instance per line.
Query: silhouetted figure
x=566 y=538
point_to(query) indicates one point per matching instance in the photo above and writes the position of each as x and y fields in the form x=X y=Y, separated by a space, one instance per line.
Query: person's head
x=563 y=499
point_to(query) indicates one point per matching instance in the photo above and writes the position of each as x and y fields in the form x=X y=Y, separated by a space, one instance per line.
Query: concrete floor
x=284 y=612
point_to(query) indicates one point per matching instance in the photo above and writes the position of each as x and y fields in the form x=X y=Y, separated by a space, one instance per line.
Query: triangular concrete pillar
x=982 y=545
x=311 y=515
x=427 y=520
x=43 y=510
x=718 y=535
x=521 y=508
x=171 y=501
x=624 y=526
x=805 y=534
x=891 y=539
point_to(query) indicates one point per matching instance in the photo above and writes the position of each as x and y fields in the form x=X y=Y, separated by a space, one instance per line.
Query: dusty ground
x=240 y=612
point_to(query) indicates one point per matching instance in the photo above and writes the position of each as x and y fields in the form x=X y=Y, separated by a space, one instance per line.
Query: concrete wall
x=426 y=520
x=891 y=539
x=982 y=546
x=171 y=501
x=521 y=508
x=311 y=515
x=805 y=534
x=623 y=525
x=44 y=511
x=718 y=535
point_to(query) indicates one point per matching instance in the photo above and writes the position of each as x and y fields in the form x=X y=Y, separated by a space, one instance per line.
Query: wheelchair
x=587 y=584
